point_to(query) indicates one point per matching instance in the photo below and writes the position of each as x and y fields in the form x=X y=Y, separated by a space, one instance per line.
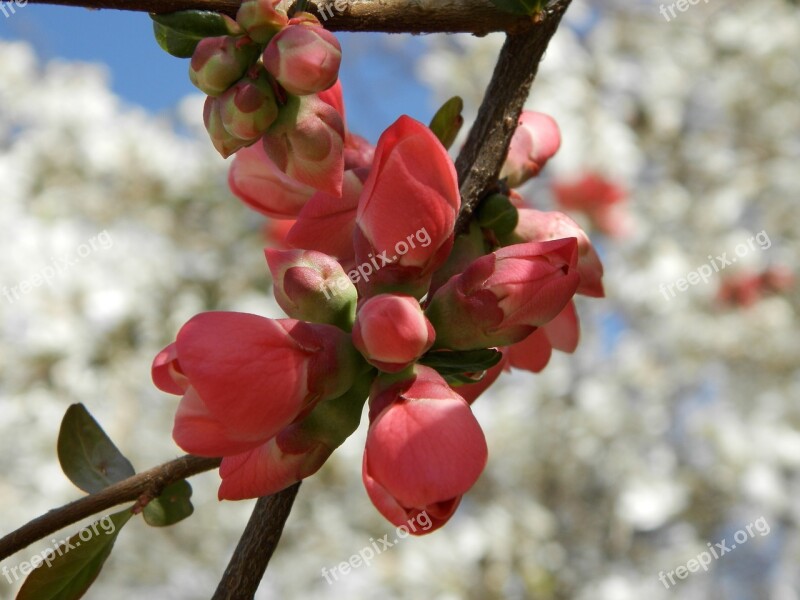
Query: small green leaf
x=67 y=572
x=172 y=506
x=198 y=24
x=87 y=455
x=447 y=121
x=174 y=43
x=520 y=7
x=452 y=363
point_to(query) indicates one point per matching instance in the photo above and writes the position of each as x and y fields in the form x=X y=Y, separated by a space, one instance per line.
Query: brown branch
x=259 y=540
x=150 y=483
x=484 y=152
x=389 y=16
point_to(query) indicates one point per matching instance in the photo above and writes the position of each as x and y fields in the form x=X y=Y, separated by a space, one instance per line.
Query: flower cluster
x=421 y=336
x=265 y=82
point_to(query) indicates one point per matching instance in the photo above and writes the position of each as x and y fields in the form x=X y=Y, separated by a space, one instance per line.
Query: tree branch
x=389 y=16
x=484 y=152
x=149 y=483
x=259 y=540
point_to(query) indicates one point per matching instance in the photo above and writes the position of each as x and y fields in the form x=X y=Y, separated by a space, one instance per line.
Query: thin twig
x=150 y=483
x=259 y=540
x=388 y=16
x=484 y=152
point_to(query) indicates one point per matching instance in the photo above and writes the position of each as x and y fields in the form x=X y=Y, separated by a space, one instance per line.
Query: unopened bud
x=218 y=62
x=261 y=19
x=248 y=107
x=304 y=58
x=225 y=143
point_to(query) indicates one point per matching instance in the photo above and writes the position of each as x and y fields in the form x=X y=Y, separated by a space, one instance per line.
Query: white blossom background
x=675 y=424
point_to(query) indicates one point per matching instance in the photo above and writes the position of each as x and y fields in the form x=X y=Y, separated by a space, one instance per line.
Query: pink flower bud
x=244 y=377
x=304 y=58
x=306 y=143
x=407 y=209
x=539 y=226
x=502 y=297
x=536 y=139
x=248 y=107
x=255 y=179
x=312 y=286
x=261 y=19
x=218 y=62
x=562 y=333
x=424 y=450
x=225 y=143
x=391 y=331
x=297 y=452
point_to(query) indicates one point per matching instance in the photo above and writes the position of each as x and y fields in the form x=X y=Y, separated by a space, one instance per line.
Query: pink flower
x=297 y=452
x=424 y=449
x=599 y=198
x=391 y=331
x=535 y=141
x=358 y=152
x=407 y=208
x=502 y=297
x=539 y=226
x=271 y=467
x=304 y=58
x=307 y=143
x=334 y=97
x=244 y=377
x=326 y=222
x=562 y=333
x=255 y=180
x=275 y=232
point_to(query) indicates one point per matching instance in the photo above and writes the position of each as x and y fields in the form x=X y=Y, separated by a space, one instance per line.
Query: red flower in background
x=599 y=198
x=746 y=289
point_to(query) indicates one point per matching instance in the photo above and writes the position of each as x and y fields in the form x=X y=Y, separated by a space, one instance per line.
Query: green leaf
x=454 y=363
x=198 y=24
x=178 y=33
x=67 y=572
x=87 y=455
x=520 y=7
x=174 y=43
x=447 y=121
x=172 y=506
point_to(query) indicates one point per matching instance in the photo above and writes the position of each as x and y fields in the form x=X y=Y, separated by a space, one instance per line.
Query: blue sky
x=143 y=74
